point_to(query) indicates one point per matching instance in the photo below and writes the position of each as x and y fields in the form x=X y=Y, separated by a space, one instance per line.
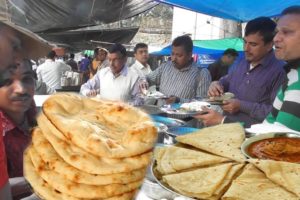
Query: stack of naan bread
x=88 y=149
x=208 y=164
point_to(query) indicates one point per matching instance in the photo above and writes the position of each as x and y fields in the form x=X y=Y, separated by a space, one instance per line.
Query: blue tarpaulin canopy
x=207 y=51
x=208 y=46
x=238 y=10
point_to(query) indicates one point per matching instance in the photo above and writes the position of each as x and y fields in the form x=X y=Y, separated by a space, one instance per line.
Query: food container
x=251 y=140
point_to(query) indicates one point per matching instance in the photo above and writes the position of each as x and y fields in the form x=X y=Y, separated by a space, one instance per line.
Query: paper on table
x=269 y=128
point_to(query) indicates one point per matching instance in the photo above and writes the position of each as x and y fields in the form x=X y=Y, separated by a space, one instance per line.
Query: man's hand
x=231 y=106
x=211 y=118
x=91 y=93
x=171 y=100
x=215 y=89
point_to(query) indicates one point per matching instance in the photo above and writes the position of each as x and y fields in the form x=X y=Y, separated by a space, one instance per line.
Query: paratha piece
x=226 y=182
x=200 y=183
x=224 y=140
x=45 y=191
x=63 y=185
x=85 y=161
x=253 y=184
x=52 y=161
x=174 y=159
x=103 y=128
x=285 y=174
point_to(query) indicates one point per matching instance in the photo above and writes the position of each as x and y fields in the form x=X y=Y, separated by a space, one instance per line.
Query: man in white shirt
x=141 y=58
x=117 y=82
x=51 y=71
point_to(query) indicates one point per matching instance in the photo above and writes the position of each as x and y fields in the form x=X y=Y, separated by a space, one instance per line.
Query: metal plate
x=175 y=109
x=161 y=127
x=154 y=174
x=176 y=131
x=170 y=122
x=249 y=141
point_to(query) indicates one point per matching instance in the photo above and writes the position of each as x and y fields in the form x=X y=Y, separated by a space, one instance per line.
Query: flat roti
x=60 y=183
x=103 y=128
x=253 y=184
x=174 y=159
x=200 y=183
x=224 y=140
x=85 y=161
x=49 y=159
x=285 y=174
x=226 y=182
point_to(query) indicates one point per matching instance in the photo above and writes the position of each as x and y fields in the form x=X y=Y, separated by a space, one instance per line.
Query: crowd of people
x=265 y=83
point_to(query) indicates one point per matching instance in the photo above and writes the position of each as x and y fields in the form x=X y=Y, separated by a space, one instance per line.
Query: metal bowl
x=177 y=131
x=164 y=186
x=169 y=122
x=249 y=141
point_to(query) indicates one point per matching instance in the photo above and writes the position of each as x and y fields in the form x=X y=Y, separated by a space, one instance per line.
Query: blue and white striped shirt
x=187 y=83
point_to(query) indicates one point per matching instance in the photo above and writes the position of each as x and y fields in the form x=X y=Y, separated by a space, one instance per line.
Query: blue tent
x=207 y=51
x=238 y=10
x=208 y=46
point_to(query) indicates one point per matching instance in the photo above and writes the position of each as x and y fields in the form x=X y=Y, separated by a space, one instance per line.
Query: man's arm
x=204 y=82
x=91 y=86
x=153 y=78
x=137 y=95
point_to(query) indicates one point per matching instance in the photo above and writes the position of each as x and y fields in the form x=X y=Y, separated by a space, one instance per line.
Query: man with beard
x=286 y=107
x=255 y=81
x=180 y=79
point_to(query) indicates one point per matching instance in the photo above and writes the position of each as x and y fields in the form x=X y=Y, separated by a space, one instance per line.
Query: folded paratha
x=226 y=182
x=103 y=128
x=173 y=159
x=200 y=183
x=285 y=174
x=51 y=160
x=85 y=161
x=224 y=140
x=252 y=184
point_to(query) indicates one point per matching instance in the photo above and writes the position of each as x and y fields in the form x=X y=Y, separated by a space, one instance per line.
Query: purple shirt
x=256 y=89
x=84 y=66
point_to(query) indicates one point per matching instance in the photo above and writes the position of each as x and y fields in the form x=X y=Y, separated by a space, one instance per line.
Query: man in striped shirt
x=180 y=79
x=286 y=107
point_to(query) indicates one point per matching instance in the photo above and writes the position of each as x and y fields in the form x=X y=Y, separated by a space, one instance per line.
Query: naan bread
x=200 y=183
x=39 y=185
x=60 y=183
x=173 y=159
x=223 y=140
x=103 y=128
x=253 y=184
x=84 y=161
x=45 y=191
x=51 y=160
x=285 y=174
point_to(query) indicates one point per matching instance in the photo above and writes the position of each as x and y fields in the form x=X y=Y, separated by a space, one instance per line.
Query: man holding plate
x=255 y=81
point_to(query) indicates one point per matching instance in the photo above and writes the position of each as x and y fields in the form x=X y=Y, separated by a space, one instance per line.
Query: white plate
x=175 y=109
x=249 y=141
